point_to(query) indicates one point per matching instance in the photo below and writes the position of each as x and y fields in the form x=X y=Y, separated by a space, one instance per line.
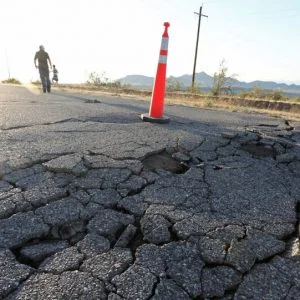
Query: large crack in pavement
x=200 y=219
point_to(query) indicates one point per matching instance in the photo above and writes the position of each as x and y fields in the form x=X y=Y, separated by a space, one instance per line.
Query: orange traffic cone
x=157 y=102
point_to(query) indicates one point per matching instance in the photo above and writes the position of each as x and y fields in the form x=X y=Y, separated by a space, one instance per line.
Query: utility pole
x=196 y=51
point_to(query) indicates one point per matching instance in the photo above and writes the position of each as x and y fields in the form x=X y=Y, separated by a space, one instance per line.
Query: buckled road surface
x=97 y=204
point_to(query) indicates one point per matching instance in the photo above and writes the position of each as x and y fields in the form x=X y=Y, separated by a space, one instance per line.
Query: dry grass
x=223 y=104
x=288 y=109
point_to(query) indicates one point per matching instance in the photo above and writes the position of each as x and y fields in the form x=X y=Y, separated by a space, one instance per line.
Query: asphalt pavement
x=97 y=204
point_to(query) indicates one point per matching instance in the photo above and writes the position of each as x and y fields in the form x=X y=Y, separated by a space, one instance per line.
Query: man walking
x=43 y=58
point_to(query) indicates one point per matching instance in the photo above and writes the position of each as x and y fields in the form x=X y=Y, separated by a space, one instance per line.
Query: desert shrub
x=195 y=90
x=101 y=80
x=35 y=82
x=277 y=95
x=116 y=84
x=173 y=85
x=256 y=93
x=208 y=103
x=222 y=83
x=94 y=79
x=11 y=81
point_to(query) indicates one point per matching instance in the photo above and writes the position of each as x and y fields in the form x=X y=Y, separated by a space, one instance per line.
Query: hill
x=206 y=82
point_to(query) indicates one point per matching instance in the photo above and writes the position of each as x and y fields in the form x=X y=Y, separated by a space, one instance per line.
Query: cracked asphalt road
x=96 y=204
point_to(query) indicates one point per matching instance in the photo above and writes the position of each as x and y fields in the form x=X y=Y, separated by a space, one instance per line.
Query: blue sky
x=257 y=39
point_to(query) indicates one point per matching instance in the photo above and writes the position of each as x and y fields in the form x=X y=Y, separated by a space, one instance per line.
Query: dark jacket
x=42 y=57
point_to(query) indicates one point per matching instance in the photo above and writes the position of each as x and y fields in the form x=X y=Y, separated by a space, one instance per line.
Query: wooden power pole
x=196 y=51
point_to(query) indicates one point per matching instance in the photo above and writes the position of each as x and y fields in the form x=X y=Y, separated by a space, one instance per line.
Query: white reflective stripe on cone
x=164 y=43
x=162 y=59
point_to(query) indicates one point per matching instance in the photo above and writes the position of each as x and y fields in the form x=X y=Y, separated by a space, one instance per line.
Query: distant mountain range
x=206 y=82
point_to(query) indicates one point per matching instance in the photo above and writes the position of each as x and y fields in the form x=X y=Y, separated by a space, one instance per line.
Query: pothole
x=136 y=241
x=165 y=162
x=92 y=101
x=259 y=150
x=36 y=251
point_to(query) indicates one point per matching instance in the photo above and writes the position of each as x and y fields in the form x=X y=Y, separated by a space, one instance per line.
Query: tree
x=97 y=79
x=173 y=84
x=222 y=83
x=11 y=80
x=196 y=89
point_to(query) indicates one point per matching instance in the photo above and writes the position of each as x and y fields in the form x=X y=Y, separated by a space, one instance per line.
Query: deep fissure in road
x=72 y=233
x=164 y=161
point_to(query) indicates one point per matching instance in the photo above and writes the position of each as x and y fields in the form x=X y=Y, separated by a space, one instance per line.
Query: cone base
x=162 y=120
